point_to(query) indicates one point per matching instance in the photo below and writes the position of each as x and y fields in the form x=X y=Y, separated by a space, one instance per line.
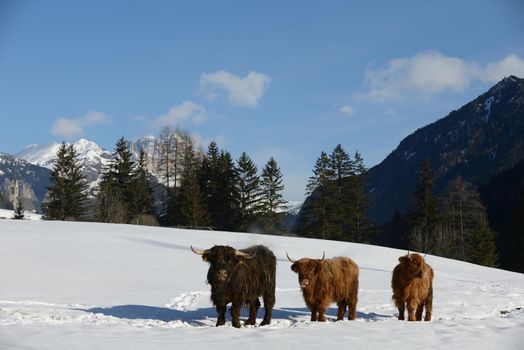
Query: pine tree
x=271 y=196
x=110 y=205
x=141 y=208
x=359 y=224
x=55 y=205
x=209 y=183
x=341 y=164
x=248 y=187
x=67 y=195
x=19 y=211
x=228 y=196
x=423 y=220
x=77 y=187
x=342 y=198
x=322 y=190
x=191 y=210
x=482 y=249
x=116 y=187
x=123 y=168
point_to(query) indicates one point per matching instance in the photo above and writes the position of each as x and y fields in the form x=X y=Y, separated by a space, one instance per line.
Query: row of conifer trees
x=196 y=188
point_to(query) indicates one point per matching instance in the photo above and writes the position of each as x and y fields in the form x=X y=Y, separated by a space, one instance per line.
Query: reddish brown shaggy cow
x=412 y=284
x=324 y=281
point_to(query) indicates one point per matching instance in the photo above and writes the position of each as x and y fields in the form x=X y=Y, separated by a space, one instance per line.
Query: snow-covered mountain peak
x=84 y=145
x=44 y=155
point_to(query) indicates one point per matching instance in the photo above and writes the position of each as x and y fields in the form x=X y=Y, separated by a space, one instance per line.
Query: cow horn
x=197 y=251
x=323 y=255
x=293 y=261
x=242 y=254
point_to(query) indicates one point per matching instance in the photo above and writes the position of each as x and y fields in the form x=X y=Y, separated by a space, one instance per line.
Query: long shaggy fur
x=412 y=284
x=241 y=280
x=324 y=281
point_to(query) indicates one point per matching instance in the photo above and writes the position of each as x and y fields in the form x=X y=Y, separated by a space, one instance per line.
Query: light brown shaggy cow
x=412 y=284
x=324 y=281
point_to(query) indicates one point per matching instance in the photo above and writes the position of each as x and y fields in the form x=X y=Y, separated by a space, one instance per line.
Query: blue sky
x=287 y=79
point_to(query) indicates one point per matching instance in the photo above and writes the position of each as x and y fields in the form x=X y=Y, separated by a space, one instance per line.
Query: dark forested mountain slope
x=481 y=139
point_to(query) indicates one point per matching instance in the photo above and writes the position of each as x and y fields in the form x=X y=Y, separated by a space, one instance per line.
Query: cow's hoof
x=265 y=323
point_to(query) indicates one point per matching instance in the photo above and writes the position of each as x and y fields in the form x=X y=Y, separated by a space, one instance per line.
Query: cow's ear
x=402 y=259
x=294 y=267
x=205 y=257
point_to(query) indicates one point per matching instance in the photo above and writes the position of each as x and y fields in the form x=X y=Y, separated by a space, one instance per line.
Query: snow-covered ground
x=29 y=215
x=100 y=286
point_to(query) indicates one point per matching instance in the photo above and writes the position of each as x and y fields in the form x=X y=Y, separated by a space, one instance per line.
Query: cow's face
x=412 y=263
x=306 y=269
x=223 y=260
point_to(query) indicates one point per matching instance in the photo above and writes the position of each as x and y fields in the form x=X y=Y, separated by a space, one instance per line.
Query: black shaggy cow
x=240 y=277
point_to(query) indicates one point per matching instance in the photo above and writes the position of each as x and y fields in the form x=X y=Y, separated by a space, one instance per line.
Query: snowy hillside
x=100 y=286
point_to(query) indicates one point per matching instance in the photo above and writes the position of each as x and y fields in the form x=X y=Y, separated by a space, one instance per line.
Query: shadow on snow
x=144 y=312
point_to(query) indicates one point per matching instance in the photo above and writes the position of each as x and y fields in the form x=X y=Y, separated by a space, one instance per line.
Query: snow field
x=87 y=285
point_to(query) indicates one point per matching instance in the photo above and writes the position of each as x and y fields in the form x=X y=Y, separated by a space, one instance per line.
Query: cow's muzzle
x=304 y=283
x=221 y=275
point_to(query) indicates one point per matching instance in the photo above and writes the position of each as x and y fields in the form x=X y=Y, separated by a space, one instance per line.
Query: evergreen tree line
x=455 y=225
x=337 y=200
x=199 y=189
x=212 y=190
x=123 y=195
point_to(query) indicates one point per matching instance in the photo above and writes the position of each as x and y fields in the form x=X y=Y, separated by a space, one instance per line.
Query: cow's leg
x=429 y=309
x=352 y=306
x=314 y=312
x=401 y=309
x=253 y=309
x=429 y=305
x=412 y=306
x=418 y=314
x=321 y=312
x=341 y=310
x=235 y=313
x=269 y=302
x=221 y=315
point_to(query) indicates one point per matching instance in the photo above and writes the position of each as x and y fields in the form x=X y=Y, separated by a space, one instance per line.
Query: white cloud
x=511 y=65
x=187 y=110
x=245 y=92
x=72 y=127
x=347 y=110
x=430 y=72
